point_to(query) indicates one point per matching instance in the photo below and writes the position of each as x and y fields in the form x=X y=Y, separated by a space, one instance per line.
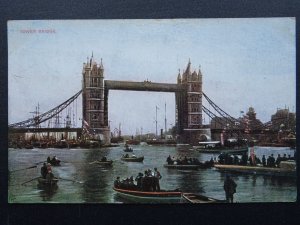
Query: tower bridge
x=95 y=94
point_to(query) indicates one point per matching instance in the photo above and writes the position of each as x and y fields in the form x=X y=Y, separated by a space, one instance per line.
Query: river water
x=94 y=183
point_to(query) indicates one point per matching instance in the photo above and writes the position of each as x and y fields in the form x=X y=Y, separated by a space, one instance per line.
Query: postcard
x=152 y=111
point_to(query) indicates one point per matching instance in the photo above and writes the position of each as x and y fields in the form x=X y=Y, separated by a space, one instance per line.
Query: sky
x=244 y=62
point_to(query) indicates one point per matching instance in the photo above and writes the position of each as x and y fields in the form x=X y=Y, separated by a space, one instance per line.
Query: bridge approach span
x=142 y=86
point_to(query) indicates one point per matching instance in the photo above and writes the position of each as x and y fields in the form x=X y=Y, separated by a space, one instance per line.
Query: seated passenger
x=117 y=182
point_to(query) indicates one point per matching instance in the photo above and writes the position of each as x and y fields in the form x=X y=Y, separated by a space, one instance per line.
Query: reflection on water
x=90 y=183
x=47 y=192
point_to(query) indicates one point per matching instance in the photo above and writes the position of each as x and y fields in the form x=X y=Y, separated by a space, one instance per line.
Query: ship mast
x=165 y=120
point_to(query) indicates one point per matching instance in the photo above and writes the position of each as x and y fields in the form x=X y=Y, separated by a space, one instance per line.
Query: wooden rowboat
x=198 y=199
x=150 y=197
x=133 y=159
x=103 y=163
x=48 y=183
x=181 y=167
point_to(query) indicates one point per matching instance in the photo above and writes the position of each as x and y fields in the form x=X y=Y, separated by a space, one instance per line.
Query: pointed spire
x=188 y=68
x=179 y=77
x=199 y=73
x=101 y=65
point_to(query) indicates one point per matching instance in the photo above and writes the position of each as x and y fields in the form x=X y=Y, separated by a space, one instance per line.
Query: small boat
x=150 y=197
x=54 y=161
x=215 y=147
x=103 y=163
x=48 y=183
x=133 y=159
x=132 y=142
x=168 y=142
x=198 y=199
x=182 y=167
x=128 y=150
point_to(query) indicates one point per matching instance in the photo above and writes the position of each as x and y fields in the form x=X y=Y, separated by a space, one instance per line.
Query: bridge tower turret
x=93 y=100
x=191 y=111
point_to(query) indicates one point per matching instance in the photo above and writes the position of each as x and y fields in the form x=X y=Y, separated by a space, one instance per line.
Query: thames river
x=93 y=184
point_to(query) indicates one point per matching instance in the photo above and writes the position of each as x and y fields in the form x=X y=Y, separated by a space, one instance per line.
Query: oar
x=29 y=180
x=80 y=182
x=93 y=162
x=39 y=162
x=23 y=169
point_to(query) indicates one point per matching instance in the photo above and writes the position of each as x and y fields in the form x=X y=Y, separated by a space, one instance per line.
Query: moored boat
x=168 y=142
x=198 y=199
x=150 y=196
x=133 y=159
x=215 y=147
x=132 y=142
x=286 y=169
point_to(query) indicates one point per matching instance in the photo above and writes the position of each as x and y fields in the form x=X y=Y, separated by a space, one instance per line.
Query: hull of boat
x=150 y=197
x=139 y=159
x=198 y=199
x=162 y=142
x=182 y=167
x=105 y=163
x=128 y=150
x=48 y=183
x=222 y=150
x=258 y=170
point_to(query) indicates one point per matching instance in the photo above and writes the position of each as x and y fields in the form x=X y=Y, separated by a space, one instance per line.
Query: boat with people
x=182 y=167
x=217 y=147
x=198 y=199
x=54 y=161
x=150 y=196
x=285 y=169
x=103 y=163
x=48 y=182
x=132 y=158
x=187 y=163
x=127 y=148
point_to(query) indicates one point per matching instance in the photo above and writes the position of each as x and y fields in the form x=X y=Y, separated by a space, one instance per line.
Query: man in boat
x=278 y=160
x=169 y=160
x=117 y=182
x=230 y=188
x=263 y=160
x=138 y=180
x=48 y=159
x=126 y=156
x=44 y=170
x=103 y=159
x=157 y=177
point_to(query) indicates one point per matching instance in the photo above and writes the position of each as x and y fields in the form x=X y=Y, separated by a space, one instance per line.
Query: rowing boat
x=47 y=182
x=133 y=159
x=162 y=196
x=103 y=163
x=198 y=199
x=181 y=167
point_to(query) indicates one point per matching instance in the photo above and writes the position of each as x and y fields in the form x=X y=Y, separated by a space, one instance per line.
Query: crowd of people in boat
x=187 y=161
x=253 y=160
x=149 y=181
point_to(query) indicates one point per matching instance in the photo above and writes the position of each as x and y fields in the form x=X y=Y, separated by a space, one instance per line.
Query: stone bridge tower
x=189 y=106
x=93 y=101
